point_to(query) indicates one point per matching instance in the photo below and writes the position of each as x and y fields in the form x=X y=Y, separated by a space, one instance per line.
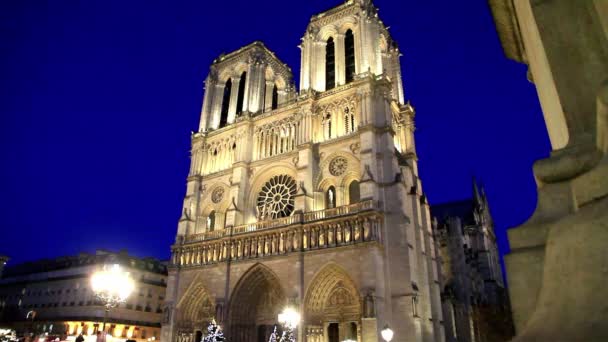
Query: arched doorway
x=254 y=305
x=195 y=310
x=332 y=306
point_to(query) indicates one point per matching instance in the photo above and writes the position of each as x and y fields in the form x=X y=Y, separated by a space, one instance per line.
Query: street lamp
x=112 y=286
x=290 y=319
x=387 y=333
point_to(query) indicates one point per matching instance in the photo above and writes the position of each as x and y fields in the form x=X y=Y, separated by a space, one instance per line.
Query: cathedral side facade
x=307 y=199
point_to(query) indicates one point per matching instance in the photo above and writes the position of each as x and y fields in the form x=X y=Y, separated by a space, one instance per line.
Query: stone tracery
x=276 y=199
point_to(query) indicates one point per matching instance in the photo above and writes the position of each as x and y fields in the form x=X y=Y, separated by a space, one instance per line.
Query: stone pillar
x=306 y=48
x=565 y=44
x=234 y=94
x=396 y=75
x=340 y=59
x=318 y=65
x=210 y=86
x=268 y=95
x=283 y=96
x=257 y=83
x=214 y=115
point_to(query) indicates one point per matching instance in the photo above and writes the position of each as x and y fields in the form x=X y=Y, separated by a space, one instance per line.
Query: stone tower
x=307 y=199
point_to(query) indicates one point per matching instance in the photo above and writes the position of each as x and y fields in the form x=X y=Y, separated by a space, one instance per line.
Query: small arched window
x=330 y=198
x=349 y=120
x=354 y=195
x=330 y=64
x=327 y=126
x=211 y=221
x=225 y=103
x=241 y=94
x=275 y=97
x=349 y=56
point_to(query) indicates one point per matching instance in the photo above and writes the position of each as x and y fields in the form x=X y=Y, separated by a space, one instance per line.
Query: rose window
x=338 y=166
x=217 y=195
x=276 y=199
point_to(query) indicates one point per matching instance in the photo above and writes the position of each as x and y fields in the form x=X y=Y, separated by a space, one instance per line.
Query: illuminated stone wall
x=310 y=200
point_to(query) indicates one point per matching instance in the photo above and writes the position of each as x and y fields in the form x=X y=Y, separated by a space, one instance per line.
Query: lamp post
x=112 y=286
x=290 y=319
x=387 y=333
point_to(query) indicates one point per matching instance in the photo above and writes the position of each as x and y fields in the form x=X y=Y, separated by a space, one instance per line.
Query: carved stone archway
x=194 y=312
x=332 y=309
x=254 y=305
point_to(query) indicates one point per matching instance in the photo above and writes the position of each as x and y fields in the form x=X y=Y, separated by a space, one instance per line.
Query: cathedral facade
x=309 y=199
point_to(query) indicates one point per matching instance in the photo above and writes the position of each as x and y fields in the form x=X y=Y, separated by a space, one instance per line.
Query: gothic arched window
x=330 y=198
x=211 y=221
x=225 y=103
x=349 y=120
x=275 y=97
x=330 y=64
x=354 y=195
x=241 y=94
x=327 y=126
x=349 y=55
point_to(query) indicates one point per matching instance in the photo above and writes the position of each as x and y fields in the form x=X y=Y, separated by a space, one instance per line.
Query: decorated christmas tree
x=288 y=335
x=273 y=336
x=214 y=333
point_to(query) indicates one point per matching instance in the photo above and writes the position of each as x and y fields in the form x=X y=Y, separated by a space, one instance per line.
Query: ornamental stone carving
x=338 y=166
x=218 y=195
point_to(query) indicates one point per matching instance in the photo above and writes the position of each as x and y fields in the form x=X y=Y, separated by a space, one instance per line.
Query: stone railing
x=269 y=224
x=286 y=235
x=282 y=222
x=339 y=211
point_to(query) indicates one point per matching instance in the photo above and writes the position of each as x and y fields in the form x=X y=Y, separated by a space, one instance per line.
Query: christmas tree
x=288 y=335
x=273 y=336
x=214 y=333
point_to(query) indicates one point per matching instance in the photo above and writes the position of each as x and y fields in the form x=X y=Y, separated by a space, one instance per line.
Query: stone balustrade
x=346 y=225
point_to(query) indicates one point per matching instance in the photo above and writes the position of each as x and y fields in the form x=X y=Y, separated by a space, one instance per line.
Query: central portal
x=254 y=306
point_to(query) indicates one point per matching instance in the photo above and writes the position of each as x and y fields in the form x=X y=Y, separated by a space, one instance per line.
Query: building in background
x=3 y=260
x=59 y=292
x=475 y=301
x=309 y=198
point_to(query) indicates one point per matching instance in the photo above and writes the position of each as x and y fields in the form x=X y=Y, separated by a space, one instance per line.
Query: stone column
x=214 y=115
x=268 y=95
x=210 y=86
x=565 y=44
x=257 y=83
x=318 y=65
x=234 y=94
x=306 y=48
x=282 y=98
x=340 y=59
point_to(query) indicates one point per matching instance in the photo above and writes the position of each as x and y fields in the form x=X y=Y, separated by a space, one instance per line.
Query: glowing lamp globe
x=112 y=285
x=289 y=317
x=387 y=333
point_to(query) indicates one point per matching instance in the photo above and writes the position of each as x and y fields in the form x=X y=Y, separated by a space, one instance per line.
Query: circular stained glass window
x=276 y=199
x=338 y=166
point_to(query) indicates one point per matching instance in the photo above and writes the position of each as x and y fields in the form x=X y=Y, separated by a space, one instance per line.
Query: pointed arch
x=196 y=306
x=332 y=296
x=275 y=97
x=255 y=302
x=225 y=103
x=349 y=56
x=330 y=64
x=241 y=93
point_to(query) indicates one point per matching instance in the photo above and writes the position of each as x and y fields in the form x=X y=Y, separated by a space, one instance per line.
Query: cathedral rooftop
x=332 y=10
x=256 y=45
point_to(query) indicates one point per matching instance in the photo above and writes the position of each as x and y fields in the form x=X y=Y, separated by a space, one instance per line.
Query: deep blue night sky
x=98 y=99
